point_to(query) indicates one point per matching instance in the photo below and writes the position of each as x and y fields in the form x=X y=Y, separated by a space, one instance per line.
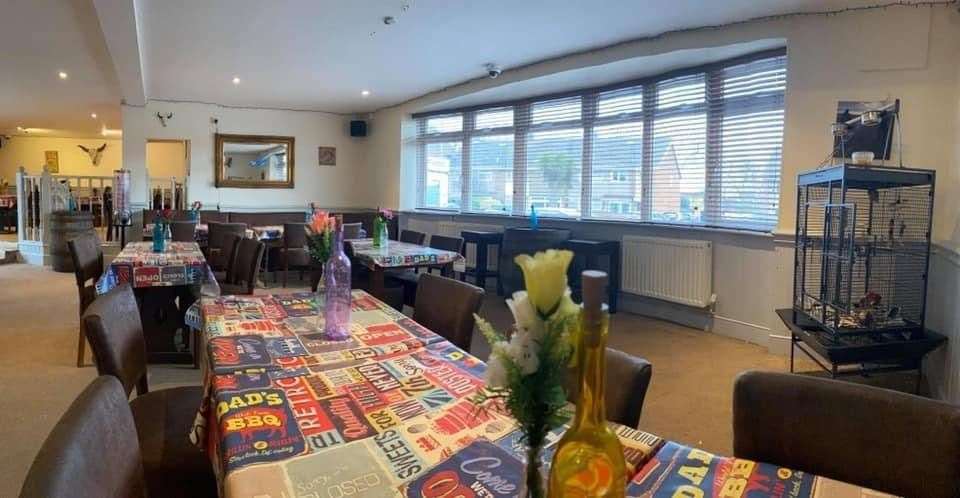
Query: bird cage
x=863 y=248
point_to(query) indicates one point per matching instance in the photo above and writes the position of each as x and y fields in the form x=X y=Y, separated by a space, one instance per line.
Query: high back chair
x=294 y=252
x=352 y=230
x=628 y=378
x=446 y=306
x=173 y=466
x=412 y=237
x=87 y=256
x=183 y=231
x=217 y=232
x=247 y=268
x=92 y=451
x=885 y=440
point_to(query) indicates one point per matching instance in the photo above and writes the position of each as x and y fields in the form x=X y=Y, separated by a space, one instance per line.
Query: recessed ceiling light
x=93 y=115
x=236 y=80
x=63 y=75
x=365 y=93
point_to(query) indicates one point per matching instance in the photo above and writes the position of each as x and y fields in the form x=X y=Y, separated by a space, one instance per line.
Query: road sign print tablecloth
x=398 y=254
x=182 y=263
x=387 y=413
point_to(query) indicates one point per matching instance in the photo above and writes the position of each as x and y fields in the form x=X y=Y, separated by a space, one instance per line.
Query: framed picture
x=327 y=156
x=52 y=160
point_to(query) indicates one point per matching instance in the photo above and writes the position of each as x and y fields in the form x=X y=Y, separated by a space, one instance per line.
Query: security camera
x=493 y=70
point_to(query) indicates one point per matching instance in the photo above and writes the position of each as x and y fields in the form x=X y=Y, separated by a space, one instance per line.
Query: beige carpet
x=689 y=398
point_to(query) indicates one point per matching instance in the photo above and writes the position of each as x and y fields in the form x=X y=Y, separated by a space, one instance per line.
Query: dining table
x=396 y=255
x=166 y=284
x=390 y=412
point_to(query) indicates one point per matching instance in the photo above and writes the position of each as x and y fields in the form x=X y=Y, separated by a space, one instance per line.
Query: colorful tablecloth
x=181 y=263
x=399 y=254
x=389 y=413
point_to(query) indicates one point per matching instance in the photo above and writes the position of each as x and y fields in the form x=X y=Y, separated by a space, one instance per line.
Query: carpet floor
x=689 y=398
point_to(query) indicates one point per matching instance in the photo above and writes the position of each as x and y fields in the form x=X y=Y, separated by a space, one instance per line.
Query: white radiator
x=453 y=229
x=676 y=270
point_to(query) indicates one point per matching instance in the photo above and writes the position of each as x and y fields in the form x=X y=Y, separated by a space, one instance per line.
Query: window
x=700 y=146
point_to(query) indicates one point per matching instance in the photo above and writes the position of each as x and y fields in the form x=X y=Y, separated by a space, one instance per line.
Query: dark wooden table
x=482 y=241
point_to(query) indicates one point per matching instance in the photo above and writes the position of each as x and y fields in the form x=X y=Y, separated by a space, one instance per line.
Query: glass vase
x=159 y=237
x=379 y=232
x=534 y=479
x=336 y=280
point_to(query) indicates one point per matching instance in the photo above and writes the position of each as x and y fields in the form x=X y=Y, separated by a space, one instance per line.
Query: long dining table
x=166 y=284
x=389 y=412
x=396 y=255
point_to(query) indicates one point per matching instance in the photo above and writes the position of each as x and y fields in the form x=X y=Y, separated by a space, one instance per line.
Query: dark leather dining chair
x=231 y=243
x=412 y=237
x=408 y=278
x=173 y=466
x=183 y=231
x=628 y=378
x=247 y=268
x=87 y=256
x=446 y=306
x=877 y=438
x=294 y=253
x=217 y=232
x=352 y=231
x=92 y=451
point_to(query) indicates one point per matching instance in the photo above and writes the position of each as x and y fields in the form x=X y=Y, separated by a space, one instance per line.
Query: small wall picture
x=327 y=156
x=52 y=160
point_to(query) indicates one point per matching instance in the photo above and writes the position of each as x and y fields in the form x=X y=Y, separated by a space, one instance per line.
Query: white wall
x=29 y=153
x=342 y=186
x=908 y=52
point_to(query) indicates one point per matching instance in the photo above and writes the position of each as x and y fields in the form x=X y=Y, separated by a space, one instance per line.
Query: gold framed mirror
x=253 y=161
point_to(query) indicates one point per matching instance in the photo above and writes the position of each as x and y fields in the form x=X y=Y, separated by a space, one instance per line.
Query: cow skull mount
x=96 y=154
x=164 y=117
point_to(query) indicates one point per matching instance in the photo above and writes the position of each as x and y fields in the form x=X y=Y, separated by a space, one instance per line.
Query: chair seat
x=173 y=466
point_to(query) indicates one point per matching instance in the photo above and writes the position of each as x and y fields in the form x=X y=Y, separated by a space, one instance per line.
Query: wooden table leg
x=376 y=282
x=480 y=265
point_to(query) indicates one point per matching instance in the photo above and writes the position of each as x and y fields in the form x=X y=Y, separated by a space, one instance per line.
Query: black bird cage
x=863 y=248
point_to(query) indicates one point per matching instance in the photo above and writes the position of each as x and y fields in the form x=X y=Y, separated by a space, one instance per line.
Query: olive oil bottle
x=589 y=458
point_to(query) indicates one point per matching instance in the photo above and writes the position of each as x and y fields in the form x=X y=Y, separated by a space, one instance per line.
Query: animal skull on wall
x=95 y=154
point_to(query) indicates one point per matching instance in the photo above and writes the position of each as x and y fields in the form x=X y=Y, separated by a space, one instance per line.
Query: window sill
x=514 y=220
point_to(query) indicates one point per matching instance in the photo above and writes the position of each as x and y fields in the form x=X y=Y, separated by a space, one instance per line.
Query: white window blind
x=700 y=146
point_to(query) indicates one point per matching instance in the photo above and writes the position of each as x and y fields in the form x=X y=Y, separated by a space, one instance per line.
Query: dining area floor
x=689 y=399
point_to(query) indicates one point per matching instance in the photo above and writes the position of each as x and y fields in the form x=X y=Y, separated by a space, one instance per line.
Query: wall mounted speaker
x=358 y=128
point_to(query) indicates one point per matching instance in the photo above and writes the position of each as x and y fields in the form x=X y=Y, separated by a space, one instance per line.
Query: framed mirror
x=253 y=161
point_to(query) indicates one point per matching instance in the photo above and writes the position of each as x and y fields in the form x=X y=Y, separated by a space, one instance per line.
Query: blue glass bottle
x=159 y=237
x=534 y=221
x=336 y=278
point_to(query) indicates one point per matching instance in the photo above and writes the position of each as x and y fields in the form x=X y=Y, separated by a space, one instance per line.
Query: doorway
x=168 y=166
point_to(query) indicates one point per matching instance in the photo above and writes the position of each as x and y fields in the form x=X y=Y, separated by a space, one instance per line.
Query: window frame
x=589 y=120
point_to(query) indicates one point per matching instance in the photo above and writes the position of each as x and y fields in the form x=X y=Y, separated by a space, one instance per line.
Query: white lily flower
x=523 y=349
x=496 y=374
x=525 y=315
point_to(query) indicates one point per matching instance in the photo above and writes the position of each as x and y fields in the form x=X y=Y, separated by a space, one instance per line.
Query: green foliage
x=536 y=400
x=320 y=245
x=558 y=171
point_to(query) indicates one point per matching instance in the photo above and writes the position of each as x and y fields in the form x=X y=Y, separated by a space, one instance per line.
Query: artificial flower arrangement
x=320 y=236
x=163 y=216
x=526 y=371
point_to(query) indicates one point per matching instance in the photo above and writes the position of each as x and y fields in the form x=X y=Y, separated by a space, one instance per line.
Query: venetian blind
x=700 y=146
